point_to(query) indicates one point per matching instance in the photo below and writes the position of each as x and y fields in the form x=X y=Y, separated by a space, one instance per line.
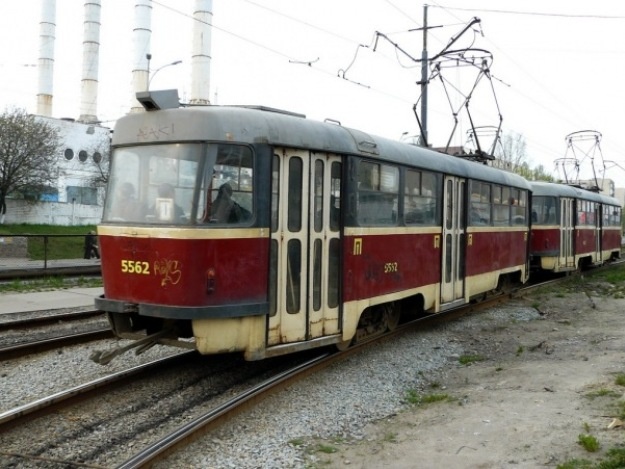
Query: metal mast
x=424 y=78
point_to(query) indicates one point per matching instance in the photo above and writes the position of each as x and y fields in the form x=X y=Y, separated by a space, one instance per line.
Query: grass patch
x=297 y=442
x=469 y=359
x=327 y=449
x=588 y=442
x=49 y=283
x=620 y=379
x=413 y=397
x=603 y=392
x=576 y=464
x=615 y=460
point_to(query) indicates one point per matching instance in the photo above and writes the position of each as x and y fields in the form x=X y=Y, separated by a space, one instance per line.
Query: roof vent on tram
x=159 y=99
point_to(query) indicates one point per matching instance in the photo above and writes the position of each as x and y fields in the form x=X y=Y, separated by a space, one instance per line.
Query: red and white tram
x=572 y=227
x=235 y=229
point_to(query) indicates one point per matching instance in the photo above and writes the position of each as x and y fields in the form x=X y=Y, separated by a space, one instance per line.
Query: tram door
x=305 y=241
x=598 y=221
x=567 y=225
x=453 y=241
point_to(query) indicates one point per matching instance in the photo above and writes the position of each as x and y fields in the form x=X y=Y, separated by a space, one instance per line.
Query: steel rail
x=23 y=349
x=49 y=319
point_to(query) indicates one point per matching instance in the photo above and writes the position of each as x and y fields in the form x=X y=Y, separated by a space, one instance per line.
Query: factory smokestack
x=201 y=58
x=90 y=59
x=141 y=62
x=46 y=57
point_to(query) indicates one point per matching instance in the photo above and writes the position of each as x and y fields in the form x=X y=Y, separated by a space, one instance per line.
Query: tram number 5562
x=135 y=267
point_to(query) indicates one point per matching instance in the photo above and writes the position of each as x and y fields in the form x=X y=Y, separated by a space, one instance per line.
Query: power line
x=536 y=13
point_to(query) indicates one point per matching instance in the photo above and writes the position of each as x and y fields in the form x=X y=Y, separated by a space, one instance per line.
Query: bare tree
x=101 y=161
x=539 y=173
x=514 y=151
x=28 y=156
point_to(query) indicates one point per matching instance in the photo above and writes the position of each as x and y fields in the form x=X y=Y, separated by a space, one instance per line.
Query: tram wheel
x=390 y=315
x=342 y=346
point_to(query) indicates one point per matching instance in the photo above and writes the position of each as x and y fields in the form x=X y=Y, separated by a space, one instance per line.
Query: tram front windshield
x=181 y=184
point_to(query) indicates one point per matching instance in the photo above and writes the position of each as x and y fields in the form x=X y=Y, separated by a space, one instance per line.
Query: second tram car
x=237 y=229
x=573 y=228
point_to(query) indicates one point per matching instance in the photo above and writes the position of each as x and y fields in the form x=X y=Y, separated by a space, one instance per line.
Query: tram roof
x=252 y=125
x=541 y=188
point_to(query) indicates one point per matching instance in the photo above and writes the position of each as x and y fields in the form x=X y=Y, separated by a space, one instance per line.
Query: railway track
x=45 y=345
x=38 y=332
x=75 y=401
x=21 y=414
x=39 y=319
x=178 y=438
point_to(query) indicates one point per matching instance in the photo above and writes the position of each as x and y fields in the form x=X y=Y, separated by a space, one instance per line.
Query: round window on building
x=82 y=155
x=69 y=153
x=97 y=157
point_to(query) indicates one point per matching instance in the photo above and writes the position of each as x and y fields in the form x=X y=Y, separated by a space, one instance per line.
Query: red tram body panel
x=545 y=241
x=586 y=242
x=184 y=272
x=491 y=251
x=611 y=238
x=376 y=265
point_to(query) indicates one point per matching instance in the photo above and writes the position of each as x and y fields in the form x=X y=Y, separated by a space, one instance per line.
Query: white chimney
x=46 y=57
x=90 y=59
x=201 y=58
x=141 y=39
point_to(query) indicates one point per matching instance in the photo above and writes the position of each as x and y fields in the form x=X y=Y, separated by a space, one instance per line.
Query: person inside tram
x=127 y=207
x=226 y=210
x=223 y=209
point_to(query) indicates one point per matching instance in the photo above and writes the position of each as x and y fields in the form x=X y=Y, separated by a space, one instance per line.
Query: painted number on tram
x=135 y=267
x=390 y=267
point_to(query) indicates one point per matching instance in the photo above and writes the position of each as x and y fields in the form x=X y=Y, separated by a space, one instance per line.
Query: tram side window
x=480 y=213
x=586 y=212
x=420 y=201
x=614 y=215
x=229 y=186
x=335 y=196
x=501 y=205
x=378 y=194
x=544 y=210
x=518 y=203
x=275 y=192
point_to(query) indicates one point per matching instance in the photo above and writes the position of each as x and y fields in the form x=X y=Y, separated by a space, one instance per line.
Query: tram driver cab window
x=227 y=186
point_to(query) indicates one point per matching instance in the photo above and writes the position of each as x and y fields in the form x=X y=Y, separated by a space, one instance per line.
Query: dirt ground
x=538 y=387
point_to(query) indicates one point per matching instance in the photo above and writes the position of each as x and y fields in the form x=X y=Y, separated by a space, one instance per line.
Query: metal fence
x=41 y=255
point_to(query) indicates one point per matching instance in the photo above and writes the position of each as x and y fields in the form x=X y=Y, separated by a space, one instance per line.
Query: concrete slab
x=37 y=301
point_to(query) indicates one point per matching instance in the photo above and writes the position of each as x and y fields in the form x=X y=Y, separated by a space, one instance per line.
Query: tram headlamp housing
x=210 y=280
x=160 y=99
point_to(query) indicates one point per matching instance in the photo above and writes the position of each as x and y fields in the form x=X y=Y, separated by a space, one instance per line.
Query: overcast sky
x=558 y=66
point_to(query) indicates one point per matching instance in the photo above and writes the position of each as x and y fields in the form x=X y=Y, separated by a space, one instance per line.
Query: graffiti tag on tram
x=155 y=133
x=168 y=270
